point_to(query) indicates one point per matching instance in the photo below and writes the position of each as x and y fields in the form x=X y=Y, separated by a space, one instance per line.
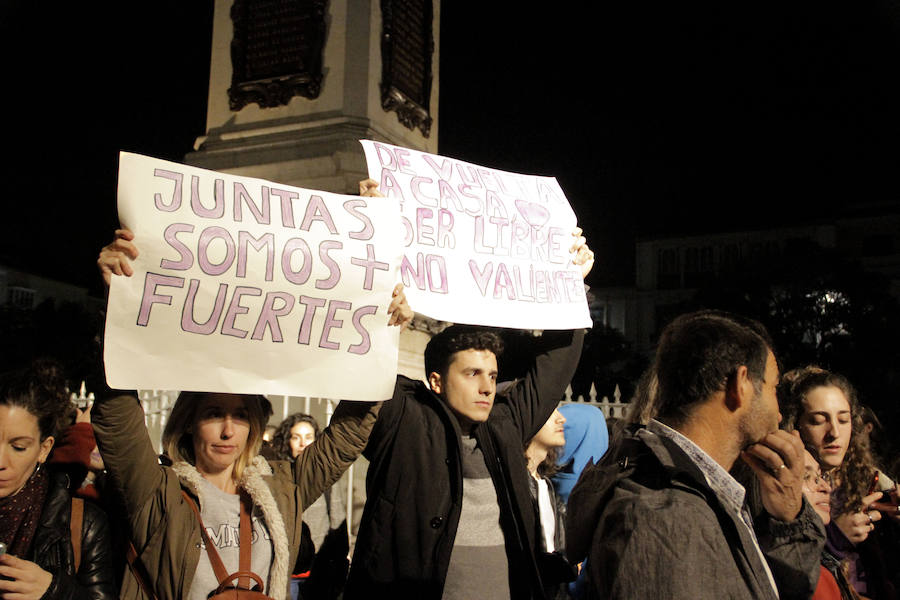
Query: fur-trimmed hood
x=160 y=520
x=253 y=482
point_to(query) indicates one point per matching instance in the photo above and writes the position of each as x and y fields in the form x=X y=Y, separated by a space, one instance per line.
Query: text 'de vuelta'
x=482 y=246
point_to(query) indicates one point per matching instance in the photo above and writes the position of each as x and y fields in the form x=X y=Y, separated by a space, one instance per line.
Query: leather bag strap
x=245 y=575
x=245 y=536
x=75 y=528
x=214 y=559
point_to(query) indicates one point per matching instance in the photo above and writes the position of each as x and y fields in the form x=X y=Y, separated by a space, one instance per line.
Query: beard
x=758 y=422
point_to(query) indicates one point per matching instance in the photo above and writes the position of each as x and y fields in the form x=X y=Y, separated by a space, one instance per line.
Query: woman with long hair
x=322 y=575
x=293 y=435
x=48 y=555
x=823 y=407
x=187 y=519
x=213 y=441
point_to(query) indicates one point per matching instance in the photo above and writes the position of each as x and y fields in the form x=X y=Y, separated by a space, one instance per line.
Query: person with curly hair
x=48 y=556
x=293 y=435
x=323 y=574
x=824 y=408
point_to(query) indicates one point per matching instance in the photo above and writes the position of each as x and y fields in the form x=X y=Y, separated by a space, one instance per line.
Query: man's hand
x=115 y=258
x=777 y=461
x=857 y=526
x=399 y=310
x=26 y=580
x=584 y=256
x=369 y=188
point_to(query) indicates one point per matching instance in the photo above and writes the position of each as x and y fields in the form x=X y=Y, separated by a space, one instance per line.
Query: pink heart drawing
x=534 y=214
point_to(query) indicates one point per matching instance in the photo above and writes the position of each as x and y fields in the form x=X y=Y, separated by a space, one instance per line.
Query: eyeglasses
x=813 y=478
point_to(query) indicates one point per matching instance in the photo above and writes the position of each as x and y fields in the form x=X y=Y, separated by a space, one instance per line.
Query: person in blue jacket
x=587 y=439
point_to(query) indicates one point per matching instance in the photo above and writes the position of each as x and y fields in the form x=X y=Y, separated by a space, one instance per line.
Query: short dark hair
x=281 y=439
x=699 y=352
x=456 y=338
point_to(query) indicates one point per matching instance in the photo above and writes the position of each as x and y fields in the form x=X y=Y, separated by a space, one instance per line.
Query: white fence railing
x=612 y=409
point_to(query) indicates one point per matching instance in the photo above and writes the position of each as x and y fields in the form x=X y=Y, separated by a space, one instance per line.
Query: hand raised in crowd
x=115 y=258
x=777 y=461
x=584 y=256
x=399 y=310
x=22 y=579
x=857 y=526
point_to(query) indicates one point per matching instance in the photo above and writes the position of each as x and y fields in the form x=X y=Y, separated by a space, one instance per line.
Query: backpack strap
x=75 y=528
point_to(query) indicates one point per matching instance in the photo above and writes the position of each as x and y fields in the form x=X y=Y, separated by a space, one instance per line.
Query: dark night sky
x=655 y=119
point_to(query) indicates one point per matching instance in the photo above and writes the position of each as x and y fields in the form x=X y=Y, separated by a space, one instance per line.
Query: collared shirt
x=729 y=492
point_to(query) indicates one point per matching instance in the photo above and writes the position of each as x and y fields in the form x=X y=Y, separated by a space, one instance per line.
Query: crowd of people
x=728 y=479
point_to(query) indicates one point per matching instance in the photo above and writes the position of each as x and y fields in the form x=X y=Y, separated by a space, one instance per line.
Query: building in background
x=670 y=271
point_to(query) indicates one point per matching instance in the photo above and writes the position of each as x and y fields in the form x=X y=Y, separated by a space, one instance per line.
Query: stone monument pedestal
x=294 y=86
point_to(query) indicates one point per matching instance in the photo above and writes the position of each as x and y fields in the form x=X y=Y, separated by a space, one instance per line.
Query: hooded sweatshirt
x=587 y=439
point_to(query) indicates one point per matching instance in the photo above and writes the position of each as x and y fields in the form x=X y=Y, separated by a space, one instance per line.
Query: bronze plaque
x=276 y=52
x=407 y=45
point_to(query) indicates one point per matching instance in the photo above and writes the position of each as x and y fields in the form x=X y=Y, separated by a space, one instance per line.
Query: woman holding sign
x=187 y=520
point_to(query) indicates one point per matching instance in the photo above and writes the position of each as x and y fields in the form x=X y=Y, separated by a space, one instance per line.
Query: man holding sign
x=449 y=511
x=481 y=245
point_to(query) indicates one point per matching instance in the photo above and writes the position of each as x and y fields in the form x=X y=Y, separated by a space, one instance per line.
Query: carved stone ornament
x=276 y=52
x=407 y=45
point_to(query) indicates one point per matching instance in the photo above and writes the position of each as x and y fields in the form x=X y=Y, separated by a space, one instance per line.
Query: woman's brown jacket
x=163 y=528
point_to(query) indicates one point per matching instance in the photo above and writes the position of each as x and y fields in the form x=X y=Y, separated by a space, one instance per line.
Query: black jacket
x=555 y=569
x=414 y=482
x=52 y=548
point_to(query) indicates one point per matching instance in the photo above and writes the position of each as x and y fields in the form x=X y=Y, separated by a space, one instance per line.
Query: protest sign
x=482 y=246
x=248 y=286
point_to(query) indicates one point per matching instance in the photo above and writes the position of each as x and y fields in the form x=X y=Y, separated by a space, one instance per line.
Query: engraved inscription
x=276 y=52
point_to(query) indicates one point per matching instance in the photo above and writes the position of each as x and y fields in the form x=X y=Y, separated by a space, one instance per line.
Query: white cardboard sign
x=248 y=286
x=482 y=246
